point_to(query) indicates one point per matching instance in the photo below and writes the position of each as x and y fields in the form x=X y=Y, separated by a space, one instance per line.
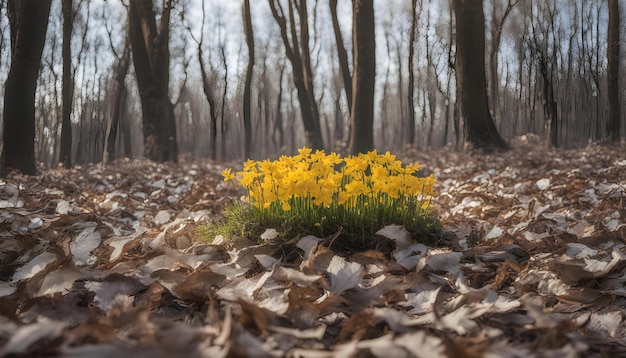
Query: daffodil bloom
x=313 y=186
x=228 y=174
x=303 y=153
x=387 y=158
x=356 y=188
x=412 y=168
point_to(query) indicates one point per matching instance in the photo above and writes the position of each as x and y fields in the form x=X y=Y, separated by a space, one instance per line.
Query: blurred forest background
x=228 y=71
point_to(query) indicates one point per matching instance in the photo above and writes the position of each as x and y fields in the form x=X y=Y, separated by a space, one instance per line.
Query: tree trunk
x=151 y=58
x=363 y=79
x=247 y=120
x=210 y=97
x=613 y=124
x=223 y=124
x=342 y=55
x=476 y=121
x=496 y=36
x=384 y=108
x=67 y=85
x=28 y=23
x=401 y=96
x=209 y=93
x=411 y=70
x=278 y=124
x=297 y=50
x=118 y=107
x=549 y=105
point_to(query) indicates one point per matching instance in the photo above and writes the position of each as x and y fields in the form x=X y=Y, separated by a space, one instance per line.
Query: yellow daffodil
x=228 y=174
x=314 y=185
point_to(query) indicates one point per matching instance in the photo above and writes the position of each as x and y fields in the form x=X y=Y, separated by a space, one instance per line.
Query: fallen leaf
x=29 y=334
x=398 y=234
x=34 y=266
x=83 y=244
x=605 y=324
x=343 y=275
x=294 y=276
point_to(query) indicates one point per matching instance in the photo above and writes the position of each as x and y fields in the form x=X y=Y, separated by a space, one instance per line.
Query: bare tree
x=47 y=146
x=297 y=49
x=278 y=123
x=151 y=57
x=342 y=54
x=497 y=24
x=411 y=89
x=477 y=122
x=544 y=50
x=223 y=123
x=207 y=86
x=28 y=21
x=362 y=116
x=66 y=124
x=402 y=105
x=432 y=83
x=384 y=102
x=120 y=95
x=613 y=123
x=68 y=84
x=247 y=120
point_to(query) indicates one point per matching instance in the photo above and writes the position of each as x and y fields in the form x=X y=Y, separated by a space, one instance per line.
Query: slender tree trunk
x=401 y=94
x=453 y=108
x=207 y=88
x=342 y=55
x=384 y=108
x=118 y=107
x=411 y=70
x=28 y=21
x=549 y=105
x=297 y=50
x=446 y=128
x=67 y=85
x=151 y=57
x=278 y=124
x=432 y=108
x=395 y=135
x=477 y=122
x=307 y=70
x=127 y=132
x=363 y=79
x=223 y=124
x=210 y=97
x=496 y=36
x=613 y=123
x=265 y=97
x=247 y=115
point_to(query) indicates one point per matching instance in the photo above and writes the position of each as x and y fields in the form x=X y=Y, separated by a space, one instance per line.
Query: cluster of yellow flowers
x=316 y=180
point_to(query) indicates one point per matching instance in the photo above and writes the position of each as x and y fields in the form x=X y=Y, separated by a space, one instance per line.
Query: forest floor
x=103 y=261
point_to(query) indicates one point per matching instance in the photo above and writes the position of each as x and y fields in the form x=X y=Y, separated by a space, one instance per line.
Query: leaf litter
x=101 y=261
